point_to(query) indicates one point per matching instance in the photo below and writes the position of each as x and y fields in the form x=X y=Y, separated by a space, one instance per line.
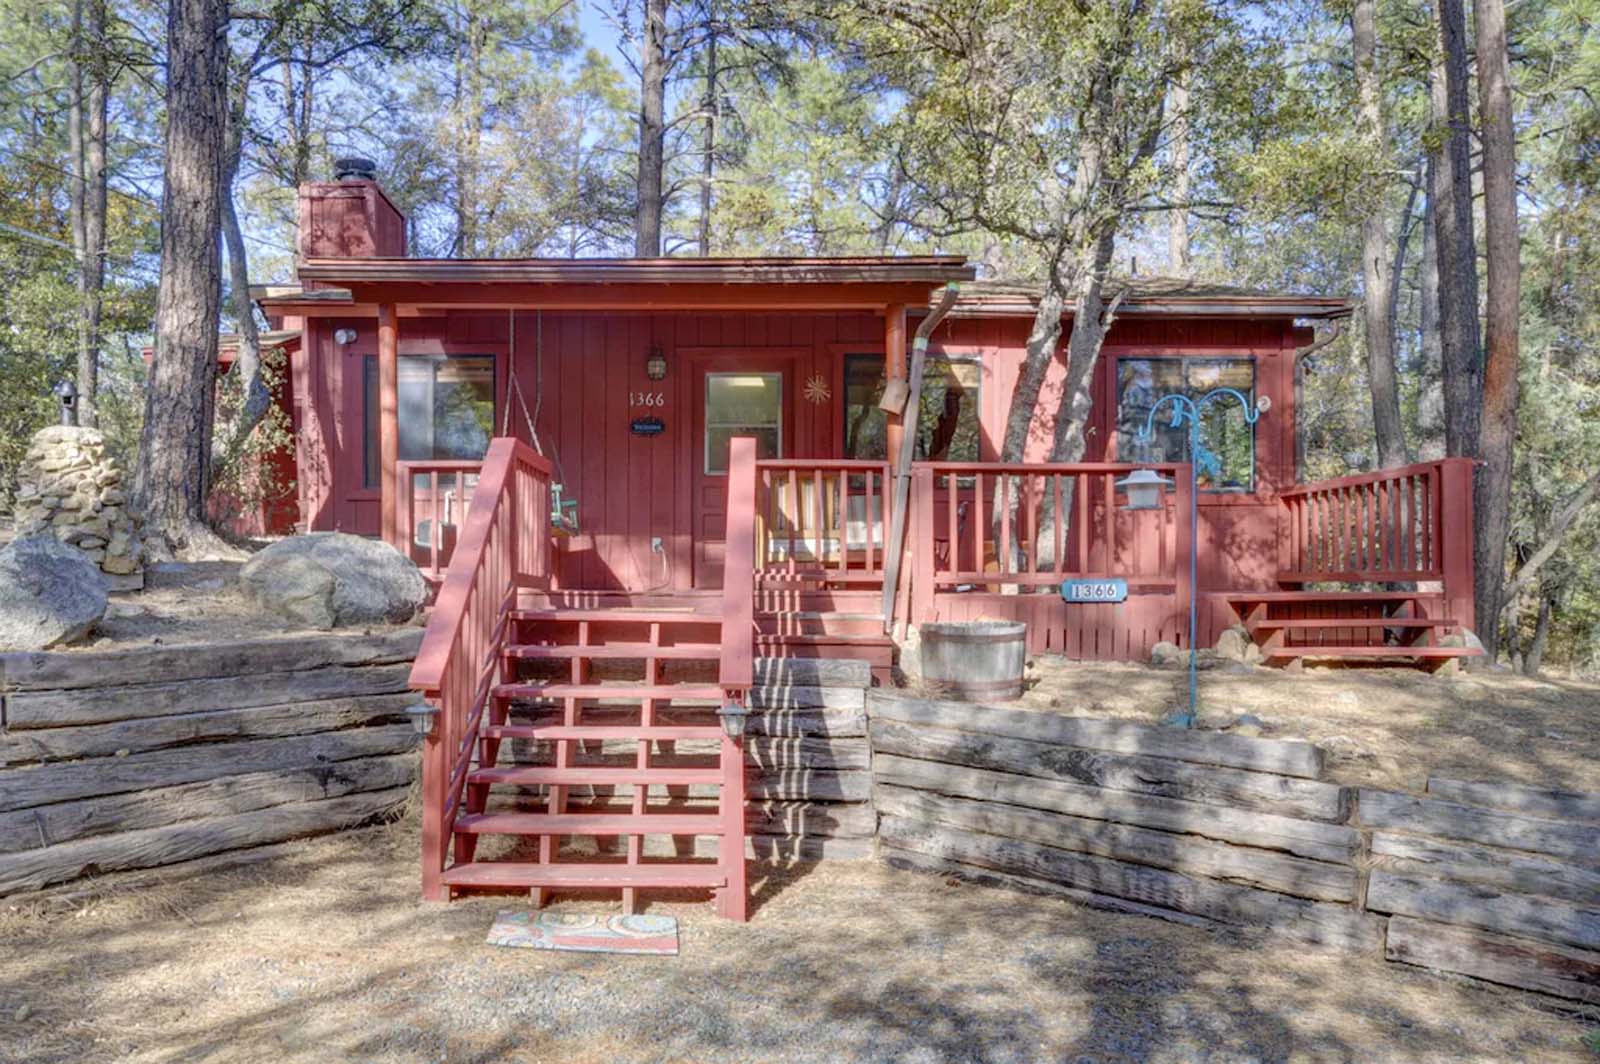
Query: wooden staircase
x=561 y=668
x=1372 y=627
x=552 y=685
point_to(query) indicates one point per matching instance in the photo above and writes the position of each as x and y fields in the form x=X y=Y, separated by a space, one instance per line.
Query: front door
x=734 y=396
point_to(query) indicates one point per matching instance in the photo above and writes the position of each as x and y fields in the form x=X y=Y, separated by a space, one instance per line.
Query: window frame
x=707 y=424
x=1187 y=360
x=973 y=359
x=371 y=427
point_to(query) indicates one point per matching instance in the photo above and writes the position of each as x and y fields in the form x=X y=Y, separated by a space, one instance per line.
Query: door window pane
x=948 y=427
x=1228 y=464
x=446 y=409
x=743 y=404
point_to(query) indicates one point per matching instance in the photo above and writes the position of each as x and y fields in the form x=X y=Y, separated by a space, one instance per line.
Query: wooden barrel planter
x=977 y=661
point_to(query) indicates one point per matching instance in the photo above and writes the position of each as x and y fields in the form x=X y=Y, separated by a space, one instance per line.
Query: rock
x=1252 y=654
x=1231 y=644
x=1165 y=653
x=50 y=594
x=908 y=662
x=1248 y=724
x=334 y=580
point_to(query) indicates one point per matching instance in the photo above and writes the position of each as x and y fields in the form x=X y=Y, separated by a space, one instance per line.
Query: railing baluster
x=979 y=519
x=1060 y=518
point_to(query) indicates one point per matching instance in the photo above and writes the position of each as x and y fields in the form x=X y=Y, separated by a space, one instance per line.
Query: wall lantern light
x=422 y=717
x=67 y=393
x=344 y=336
x=655 y=365
x=733 y=717
x=1144 y=488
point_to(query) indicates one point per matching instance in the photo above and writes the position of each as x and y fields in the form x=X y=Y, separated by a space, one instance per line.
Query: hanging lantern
x=733 y=717
x=1144 y=488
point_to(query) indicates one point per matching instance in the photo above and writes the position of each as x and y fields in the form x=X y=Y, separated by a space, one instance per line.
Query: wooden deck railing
x=1391 y=525
x=432 y=504
x=823 y=517
x=504 y=545
x=1064 y=520
x=1400 y=525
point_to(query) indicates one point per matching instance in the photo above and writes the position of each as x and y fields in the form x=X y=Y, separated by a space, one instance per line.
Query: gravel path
x=328 y=956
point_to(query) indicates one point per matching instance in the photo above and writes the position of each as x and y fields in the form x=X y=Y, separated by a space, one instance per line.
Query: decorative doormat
x=585 y=932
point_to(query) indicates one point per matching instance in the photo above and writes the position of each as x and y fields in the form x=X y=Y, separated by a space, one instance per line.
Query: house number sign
x=647 y=398
x=1111 y=590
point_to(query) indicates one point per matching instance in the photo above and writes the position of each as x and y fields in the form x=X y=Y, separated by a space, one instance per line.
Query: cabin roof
x=354 y=283
x=1155 y=295
x=867 y=269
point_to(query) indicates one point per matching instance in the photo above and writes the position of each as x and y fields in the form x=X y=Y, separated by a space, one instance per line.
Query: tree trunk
x=708 y=163
x=1502 y=243
x=1043 y=340
x=1090 y=322
x=1178 y=217
x=1377 y=277
x=94 y=214
x=1430 y=401
x=173 y=473
x=86 y=137
x=255 y=398
x=1533 y=656
x=1452 y=220
x=652 y=130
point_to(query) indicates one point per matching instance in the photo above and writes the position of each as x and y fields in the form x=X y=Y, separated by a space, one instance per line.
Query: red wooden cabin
x=551 y=438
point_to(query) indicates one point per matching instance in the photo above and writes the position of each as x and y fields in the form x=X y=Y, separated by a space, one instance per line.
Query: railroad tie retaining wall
x=127 y=759
x=1493 y=881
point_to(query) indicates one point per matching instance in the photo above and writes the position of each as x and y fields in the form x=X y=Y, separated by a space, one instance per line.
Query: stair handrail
x=504 y=545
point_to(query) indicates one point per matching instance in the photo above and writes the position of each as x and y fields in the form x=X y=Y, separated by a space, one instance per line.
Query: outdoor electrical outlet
x=657 y=546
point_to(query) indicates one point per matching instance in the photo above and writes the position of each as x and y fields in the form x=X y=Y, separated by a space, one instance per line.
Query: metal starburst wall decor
x=816 y=390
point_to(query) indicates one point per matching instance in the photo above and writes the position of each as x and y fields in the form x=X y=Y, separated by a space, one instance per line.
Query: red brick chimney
x=350 y=217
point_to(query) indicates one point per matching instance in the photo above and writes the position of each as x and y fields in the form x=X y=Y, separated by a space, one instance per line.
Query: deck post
x=1454 y=532
x=894 y=368
x=435 y=792
x=921 y=546
x=388 y=420
x=1183 y=500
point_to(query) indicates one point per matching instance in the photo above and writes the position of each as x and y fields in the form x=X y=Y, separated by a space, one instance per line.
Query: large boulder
x=51 y=594
x=334 y=580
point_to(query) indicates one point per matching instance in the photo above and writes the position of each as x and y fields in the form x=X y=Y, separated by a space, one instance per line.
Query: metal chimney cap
x=354 y=168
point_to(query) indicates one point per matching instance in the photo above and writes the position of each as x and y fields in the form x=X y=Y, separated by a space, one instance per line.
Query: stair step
x=590 y=824
x=1333 y=651
x=1354 y=622
x=675 y=692
x=546 y=775
x=1326 y=596
x=681 y=651
x=600 y=731
x=526 y=876
x=765 y=639
x=618 y=615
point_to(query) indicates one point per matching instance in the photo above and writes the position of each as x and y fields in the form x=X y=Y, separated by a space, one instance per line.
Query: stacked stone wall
x=68 y=484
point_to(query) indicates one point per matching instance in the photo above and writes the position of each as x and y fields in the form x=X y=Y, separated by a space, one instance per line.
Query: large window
x=743 y=404
x=948 y=429
x=1230 y=443
x=446 y=409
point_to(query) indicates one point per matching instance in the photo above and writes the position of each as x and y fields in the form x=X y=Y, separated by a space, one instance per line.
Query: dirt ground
x=327 y=955
x=197 y=602
x=1386 y=727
